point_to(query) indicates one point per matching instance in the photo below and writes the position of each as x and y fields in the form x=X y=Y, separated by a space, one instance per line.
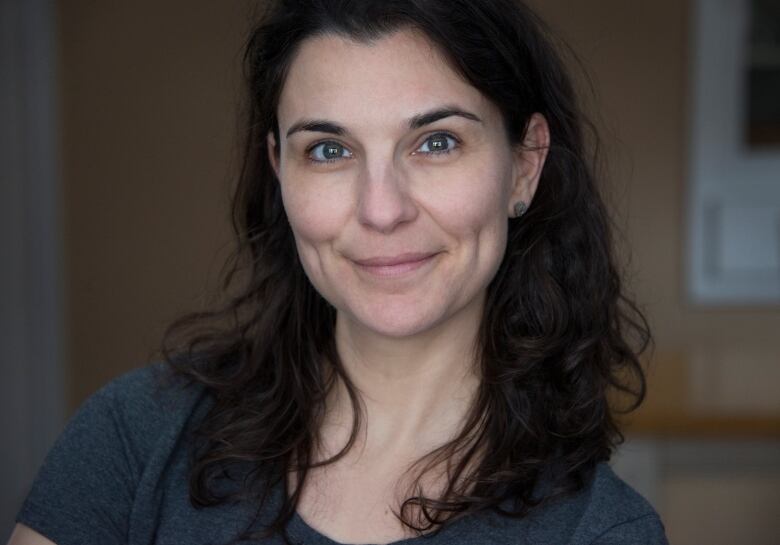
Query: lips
x=389 y=266
x=394 y=260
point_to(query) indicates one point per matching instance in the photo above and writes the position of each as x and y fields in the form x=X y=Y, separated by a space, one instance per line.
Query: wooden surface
x=702 y=399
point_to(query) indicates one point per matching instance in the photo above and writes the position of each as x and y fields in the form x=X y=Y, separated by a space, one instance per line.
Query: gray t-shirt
x=119 y=475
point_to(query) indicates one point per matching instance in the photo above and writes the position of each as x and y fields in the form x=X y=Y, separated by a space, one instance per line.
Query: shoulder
x=606 y=511
x=151 y=386
x=123 y=436
x=146 y=397
x=610 y=494
x=138 y=408
x=138 y=414
x=613 y=512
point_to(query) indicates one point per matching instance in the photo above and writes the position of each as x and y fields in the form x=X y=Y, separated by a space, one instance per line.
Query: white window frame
x=733 y=242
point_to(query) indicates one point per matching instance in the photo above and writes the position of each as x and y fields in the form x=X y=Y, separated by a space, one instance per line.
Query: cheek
x=475 y=201
x=474 y=214
x=315 y=219
x=316 y=212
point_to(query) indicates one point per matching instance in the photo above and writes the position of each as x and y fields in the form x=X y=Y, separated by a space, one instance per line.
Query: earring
x=520 y=208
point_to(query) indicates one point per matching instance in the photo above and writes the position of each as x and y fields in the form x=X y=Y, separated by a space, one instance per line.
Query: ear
x=273 y=152
x=529 y=158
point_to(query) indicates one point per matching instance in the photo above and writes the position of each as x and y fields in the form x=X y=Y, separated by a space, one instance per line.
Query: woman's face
x=397 y=179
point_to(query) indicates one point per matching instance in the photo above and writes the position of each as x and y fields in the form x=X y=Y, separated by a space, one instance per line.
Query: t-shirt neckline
x=301 y=530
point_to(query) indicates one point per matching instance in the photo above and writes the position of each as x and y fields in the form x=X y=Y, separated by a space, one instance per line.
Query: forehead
x=384 y=81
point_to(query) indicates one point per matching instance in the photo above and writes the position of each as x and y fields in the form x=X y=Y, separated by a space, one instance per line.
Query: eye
x=328 y=152
x=440 y=142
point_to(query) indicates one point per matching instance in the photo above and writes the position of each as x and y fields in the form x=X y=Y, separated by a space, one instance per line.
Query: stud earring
x=520 y=208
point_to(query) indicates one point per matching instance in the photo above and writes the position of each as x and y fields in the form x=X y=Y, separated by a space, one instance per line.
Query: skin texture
x=405 y=331
x=22 y=535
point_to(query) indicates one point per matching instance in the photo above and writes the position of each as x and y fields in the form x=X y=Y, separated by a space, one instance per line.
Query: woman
x=425 y=328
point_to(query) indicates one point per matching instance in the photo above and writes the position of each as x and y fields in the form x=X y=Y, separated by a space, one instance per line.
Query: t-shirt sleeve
x=644 y=530
x=84 y=491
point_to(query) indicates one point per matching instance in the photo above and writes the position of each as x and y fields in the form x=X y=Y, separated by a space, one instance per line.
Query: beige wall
x=148 y=101
x=148 y=106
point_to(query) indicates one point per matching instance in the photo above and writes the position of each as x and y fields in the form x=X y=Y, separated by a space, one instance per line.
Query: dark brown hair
x=557 y=333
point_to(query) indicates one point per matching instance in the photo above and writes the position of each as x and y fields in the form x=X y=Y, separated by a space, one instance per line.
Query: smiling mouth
x=392 y=266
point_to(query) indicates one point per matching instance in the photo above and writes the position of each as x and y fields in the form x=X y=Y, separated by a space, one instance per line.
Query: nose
x=384 y=201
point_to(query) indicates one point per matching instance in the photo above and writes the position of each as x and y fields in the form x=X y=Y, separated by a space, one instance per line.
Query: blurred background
x=118 y=147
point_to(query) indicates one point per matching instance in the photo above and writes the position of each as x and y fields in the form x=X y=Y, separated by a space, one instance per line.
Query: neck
x=417 y=391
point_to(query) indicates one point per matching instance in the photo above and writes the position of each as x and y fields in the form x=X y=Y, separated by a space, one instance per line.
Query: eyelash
x=427 y=139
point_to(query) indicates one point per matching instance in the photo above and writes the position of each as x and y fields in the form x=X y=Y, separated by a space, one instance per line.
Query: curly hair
x=557 y=337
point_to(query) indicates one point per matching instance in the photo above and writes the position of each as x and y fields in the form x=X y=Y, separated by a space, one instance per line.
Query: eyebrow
x=415 y=122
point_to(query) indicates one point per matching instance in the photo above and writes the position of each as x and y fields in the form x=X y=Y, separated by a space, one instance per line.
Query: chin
x=398 y=330
x=397 y=323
